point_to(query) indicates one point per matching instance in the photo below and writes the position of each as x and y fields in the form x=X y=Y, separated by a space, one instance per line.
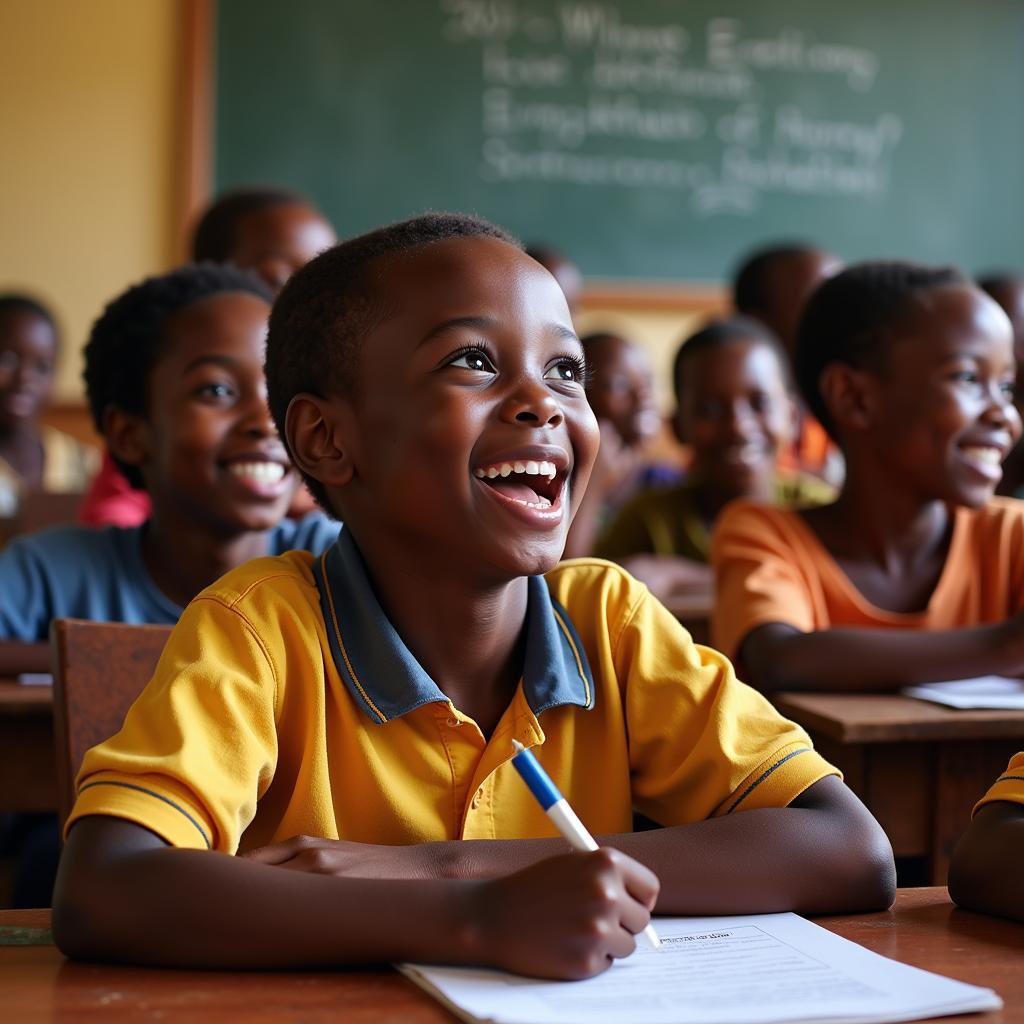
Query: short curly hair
x=752 y=279
x=719 y=333
x=850 y=319
x=215 y=235
x=329 y=306
x=128 y=338
x=18 y=302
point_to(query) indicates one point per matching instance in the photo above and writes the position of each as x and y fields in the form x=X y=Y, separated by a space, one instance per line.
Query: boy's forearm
x=109 y=907
x=985 y=873
x=778 y=657
x=822 y=854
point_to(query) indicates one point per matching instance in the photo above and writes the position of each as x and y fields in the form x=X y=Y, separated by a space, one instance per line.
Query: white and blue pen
x=557 y=808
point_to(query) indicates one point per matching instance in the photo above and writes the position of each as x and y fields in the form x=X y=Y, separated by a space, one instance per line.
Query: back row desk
x=37 y=983
x=919 y=767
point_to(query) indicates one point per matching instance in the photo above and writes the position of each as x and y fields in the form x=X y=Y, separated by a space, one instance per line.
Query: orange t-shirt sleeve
x=758 y=576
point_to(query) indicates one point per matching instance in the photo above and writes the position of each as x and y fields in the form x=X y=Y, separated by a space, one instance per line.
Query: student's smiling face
x=209 y=451
x=28 y=354
x=471 y=435
x=943 y=399
x=735 y=412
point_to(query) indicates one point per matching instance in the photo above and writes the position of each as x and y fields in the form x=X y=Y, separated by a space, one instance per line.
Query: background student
x=620 y=389
x=772 y=285
x=915 y=572
x=734 y=411
x=272 y=231
x=985 y=873
x=33 y=456
x=369 y=698
x=174 y=375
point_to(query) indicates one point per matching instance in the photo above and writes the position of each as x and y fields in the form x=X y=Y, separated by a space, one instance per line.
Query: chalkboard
x=652 y=140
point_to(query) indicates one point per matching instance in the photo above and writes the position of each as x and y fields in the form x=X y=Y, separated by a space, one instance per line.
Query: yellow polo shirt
x=285 y=703
x=1009 y=786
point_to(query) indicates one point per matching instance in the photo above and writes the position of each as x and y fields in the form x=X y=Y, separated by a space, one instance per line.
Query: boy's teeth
x=989 y=455
x=267 y=472
x=508 y=468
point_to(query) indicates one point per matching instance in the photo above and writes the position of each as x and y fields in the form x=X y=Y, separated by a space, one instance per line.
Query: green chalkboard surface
x=652 y=140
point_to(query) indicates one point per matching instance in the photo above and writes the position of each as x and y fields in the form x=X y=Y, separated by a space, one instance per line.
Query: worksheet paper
x=717 y=970
x=981 y=692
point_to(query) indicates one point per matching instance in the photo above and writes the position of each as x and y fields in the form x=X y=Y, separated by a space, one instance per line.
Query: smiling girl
x=915 y=573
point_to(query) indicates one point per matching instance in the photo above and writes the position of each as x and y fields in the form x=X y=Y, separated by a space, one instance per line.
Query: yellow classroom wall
x=88 y=109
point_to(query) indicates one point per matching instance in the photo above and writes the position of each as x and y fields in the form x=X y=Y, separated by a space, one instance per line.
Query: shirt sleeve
x=26 y=586
x=1008 y=787
x=198 y=749
x=758 y=579
x=702 y=743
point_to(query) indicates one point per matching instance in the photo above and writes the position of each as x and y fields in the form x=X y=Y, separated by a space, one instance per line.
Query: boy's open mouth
x=534 y=484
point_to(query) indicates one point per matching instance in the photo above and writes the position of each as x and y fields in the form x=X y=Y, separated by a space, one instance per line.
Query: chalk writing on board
x=574 y=92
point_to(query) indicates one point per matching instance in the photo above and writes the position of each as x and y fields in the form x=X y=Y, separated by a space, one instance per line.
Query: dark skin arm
x=779 y=657
x=122 y=894
x=985 y=873
x=823 y=854
x=17 y=657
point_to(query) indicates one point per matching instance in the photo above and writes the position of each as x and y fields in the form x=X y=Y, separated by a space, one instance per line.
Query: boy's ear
x=126 y=435
x=320 y=435
x=848 y=395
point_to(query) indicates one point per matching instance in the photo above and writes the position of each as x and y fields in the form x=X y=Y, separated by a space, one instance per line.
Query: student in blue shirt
x=174 y=375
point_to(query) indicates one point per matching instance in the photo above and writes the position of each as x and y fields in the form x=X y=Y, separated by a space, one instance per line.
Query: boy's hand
x=340 y=857
x=565 y=917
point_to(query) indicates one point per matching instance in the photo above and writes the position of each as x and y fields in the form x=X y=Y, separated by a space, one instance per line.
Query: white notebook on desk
x=981 y=692
x=760 y=969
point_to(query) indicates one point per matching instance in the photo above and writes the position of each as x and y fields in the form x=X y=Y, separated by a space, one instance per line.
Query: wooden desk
x=919 y=767
x=27 y=776
x=36 y=983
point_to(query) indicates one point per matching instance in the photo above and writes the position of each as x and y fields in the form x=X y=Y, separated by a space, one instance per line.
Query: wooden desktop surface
x=37 y=983
x=919 y=767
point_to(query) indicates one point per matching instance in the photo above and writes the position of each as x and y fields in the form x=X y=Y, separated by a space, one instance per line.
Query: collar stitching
x=341 y=643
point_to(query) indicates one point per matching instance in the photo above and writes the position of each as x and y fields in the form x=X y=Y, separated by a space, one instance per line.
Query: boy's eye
x=1009 y=389
x=473 y=359
x=215 y=390
x=966 y=377
x=569 y=368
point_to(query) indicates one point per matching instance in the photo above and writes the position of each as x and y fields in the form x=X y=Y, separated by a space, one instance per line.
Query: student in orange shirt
x=915 y=573
x=772 y=285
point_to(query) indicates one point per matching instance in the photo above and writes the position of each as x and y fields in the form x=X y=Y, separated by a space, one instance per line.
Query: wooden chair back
x=99 y=668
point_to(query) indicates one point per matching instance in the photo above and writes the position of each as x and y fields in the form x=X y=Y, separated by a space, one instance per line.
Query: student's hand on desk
x=567 y=916
x=346 y=859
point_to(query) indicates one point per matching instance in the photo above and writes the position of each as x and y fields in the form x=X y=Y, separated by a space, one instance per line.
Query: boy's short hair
x=752 y=286
x=215 y=234
x=18 y=302
x=127 y=338
x=848 y=318
x=328 y=307
x=719 y=333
